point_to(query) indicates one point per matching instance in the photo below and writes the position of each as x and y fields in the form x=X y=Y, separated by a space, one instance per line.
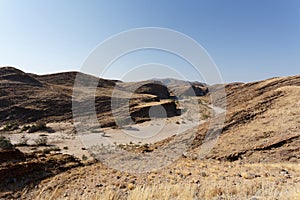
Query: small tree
x=5 y=143
x=11 y=127
x=37 y=127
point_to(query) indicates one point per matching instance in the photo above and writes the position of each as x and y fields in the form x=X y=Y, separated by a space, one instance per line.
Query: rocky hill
x=27 y=98
x=262 y=122
x=181 y=88
x=255 y=157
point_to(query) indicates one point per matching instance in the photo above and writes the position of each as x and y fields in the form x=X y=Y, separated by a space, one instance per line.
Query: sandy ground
x=68 y=142
x=65 y=138
x=147 y=132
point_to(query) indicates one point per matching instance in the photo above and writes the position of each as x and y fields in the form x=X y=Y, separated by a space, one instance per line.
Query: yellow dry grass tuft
x=163 y=192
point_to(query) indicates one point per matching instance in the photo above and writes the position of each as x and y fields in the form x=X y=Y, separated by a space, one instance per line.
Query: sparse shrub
x=114 y=127
x=5 y=143
x=66 y=148
x=41 y=141
x=25 y=128
x=23 y=141
x=55 y=148
x=183 y=110
x=84 y=157
x=37 y=127
x=32 y=129
x=48 y=150
x=205 y=116
x=11 y=127
x=41 y=124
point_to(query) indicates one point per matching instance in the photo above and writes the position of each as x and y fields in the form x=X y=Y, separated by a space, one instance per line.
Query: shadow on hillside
x=29 y=170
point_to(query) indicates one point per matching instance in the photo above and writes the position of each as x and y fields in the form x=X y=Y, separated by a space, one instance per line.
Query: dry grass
x=220 y=182
x=247 y=190
x=270 y=118
x=259 y=117
x=164 y=191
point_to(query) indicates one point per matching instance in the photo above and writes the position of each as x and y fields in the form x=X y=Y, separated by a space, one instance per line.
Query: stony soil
x=255 y=156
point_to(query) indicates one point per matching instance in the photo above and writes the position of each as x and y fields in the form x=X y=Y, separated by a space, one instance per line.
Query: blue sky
x=248 y=40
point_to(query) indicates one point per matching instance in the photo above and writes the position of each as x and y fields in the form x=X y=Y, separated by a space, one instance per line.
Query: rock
x=130 y=186
x=154 y=88
x=284 y=172
x=287 y=176
x=186 y=173
x=122 y=186
x=247 y=175
x=203 y=174
x=196 y=181
x=99 y=185
x=254 y=198
x=151 y=177
x=132 y=181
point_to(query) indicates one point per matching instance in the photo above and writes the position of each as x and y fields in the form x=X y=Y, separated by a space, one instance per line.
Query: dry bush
x=41 y=141
x=37 y=127
x=5 y=143
x=11 y=127
x=209 y=191
x=23 y=141
x=163 y=191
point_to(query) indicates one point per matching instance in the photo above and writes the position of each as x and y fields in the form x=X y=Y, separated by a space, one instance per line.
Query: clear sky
x=248 y=40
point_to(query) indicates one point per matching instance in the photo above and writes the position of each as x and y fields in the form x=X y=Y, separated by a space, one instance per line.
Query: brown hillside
x=255 y=157
x=262 y=122
x=27 y=98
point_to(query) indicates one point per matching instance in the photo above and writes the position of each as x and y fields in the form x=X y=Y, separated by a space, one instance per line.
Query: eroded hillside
x=255 y=157
x=262 y=122
x=27 y=98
